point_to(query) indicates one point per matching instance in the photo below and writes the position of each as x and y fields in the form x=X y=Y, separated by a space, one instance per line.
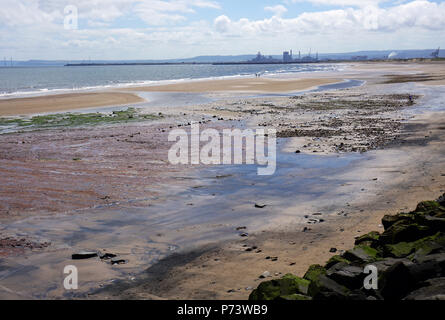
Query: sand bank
x=257 y=85
x=64 y=102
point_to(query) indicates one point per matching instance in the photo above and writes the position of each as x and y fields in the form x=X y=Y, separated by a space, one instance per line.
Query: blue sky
x=154 y=29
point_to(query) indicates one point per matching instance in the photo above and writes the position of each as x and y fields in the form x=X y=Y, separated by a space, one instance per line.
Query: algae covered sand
x=76 y=119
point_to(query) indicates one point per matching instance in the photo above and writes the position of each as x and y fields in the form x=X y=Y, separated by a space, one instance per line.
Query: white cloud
x=345 y=3
x=34 y=28
x=278 y=10
x=152 y=12
x=416 y=14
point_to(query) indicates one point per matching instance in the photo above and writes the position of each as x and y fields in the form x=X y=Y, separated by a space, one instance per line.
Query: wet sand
x=111 y=188
x=75 y=101
x=64 y=102
x=256 y=85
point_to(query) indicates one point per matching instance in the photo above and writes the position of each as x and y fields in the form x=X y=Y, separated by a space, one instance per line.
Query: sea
x=28 y=81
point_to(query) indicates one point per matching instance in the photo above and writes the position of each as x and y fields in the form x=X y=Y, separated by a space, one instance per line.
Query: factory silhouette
x=288 y=57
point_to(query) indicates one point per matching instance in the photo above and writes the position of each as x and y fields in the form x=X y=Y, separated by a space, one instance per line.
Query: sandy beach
x=346 y=158
x=247 y=85
x=75 y=101
x=64 y=102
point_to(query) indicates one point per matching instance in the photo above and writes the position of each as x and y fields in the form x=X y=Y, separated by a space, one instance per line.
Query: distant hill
x=382 y=54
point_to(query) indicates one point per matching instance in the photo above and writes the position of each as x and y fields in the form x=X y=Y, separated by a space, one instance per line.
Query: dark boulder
x=314 y=272
x=428 y=245
x=324 y=288
x=396 y=282
x=441 y=200
x=371 y=239
x=285 y=288
x=361 y=254
x=349 y=276
x=334 y=260
x=403 y=231
x=427 y=267
x=433 y=289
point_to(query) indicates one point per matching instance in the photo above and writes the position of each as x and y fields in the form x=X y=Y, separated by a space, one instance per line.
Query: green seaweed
x=78 y=119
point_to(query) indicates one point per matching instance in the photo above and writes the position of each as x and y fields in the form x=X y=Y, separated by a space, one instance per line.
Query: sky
x=164 y=29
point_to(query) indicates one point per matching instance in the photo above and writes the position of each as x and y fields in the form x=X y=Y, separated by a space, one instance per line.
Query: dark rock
x=371 y=239
x=426 y=267
x=294 y=297
x=403 y=231
x=421 y=247
x=260 y=206
x=361 y=254
x=441 y=199
x=427 y=206
x=118 y=261
x=314 y=272
x=283 y=288
x=334 y=260
x=396 y=282
x=323 y=288
x=389 y=220
x=433 y=289
x=84 y=255
x=349 y=276
x=436 y=223
x=264 y=275
x=107 y=256
x=333 y=250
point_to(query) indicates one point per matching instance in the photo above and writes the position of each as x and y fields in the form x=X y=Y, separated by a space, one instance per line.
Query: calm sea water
x=19 y=81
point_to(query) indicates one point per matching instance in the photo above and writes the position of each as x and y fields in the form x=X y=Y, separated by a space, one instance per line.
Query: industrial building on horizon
x=288 y=57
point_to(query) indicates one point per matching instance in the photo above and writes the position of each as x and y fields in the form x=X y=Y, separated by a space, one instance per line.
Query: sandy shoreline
x=74 y=101
x=247 y=85
x=115 y=181
x=64 y=102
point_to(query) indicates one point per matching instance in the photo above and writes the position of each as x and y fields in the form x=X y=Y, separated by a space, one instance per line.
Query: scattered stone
x=265 y=274
x=115 y=261
x=333 y=250
x=244 y=235
x=84 y=255
x=107 y=256
x=260 y=206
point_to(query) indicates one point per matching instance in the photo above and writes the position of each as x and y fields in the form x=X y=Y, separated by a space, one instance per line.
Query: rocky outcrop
x=408 y=257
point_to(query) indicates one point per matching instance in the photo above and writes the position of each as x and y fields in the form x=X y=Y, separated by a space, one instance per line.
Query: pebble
x=84 y=255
